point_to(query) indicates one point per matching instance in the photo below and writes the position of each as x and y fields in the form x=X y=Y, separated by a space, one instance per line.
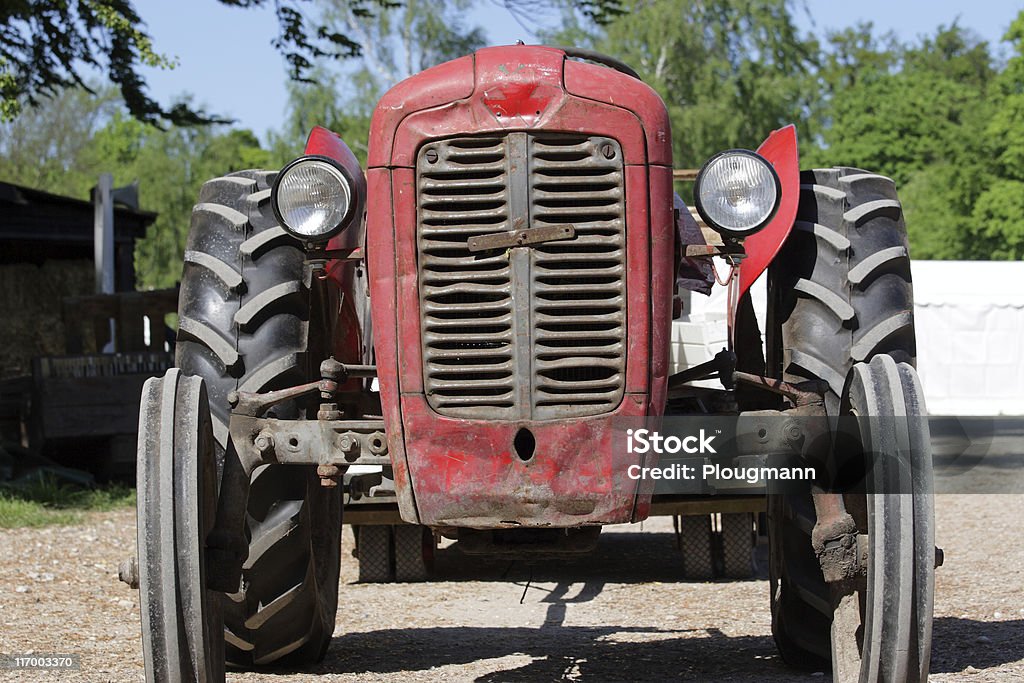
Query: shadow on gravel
x=959 y=643
x=620 y=557
x=561 y=652
x=596 y=653
x=615 y=653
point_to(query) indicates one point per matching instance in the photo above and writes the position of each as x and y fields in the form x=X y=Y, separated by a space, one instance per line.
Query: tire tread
x=243 y=326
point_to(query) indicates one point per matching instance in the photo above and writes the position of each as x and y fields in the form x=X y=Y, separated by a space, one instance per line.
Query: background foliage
x=943 y=116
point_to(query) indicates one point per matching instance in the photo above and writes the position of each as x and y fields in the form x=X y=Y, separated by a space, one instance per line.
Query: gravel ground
x=621 y=615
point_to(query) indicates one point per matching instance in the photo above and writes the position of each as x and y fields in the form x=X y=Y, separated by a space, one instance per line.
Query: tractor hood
x=517 y=87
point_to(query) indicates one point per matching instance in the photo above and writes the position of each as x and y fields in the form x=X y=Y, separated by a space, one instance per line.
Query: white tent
x=970 y=334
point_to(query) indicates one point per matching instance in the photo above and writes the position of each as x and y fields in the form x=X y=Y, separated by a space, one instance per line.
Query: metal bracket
x=316 y=253
x=722 y=366
x=709 y=250
x=327 y=442
x=310 y=442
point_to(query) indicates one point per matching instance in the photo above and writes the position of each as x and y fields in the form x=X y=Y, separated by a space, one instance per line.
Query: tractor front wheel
x=882 y=622
x=177 y=499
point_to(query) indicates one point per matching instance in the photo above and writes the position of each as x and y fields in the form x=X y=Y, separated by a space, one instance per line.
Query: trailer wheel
x=840 y=294
x=395 y=552
x=414 y=552
x=737 y=545
x=244 y=316
x=177 y=502
x=695 y=544
x=373 y=551
x=842 y=282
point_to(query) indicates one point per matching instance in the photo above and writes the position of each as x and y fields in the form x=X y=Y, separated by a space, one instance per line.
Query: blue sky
x=228 y=65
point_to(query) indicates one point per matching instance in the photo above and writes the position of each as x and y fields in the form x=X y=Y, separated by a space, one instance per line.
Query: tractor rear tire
x=244 y=314
x=841 y=293
x=843 y=280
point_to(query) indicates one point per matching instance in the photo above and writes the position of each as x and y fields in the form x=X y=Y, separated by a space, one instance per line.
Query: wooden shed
x=46 y=254
x=59 y=394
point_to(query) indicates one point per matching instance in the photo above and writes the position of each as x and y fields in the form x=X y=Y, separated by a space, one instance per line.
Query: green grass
x=46 y=501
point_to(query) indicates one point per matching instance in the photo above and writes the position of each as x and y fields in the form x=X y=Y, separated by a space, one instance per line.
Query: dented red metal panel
x=638 y=282
x=463 y=472
x=781 y=150
x=617 y=89
x=663 y=237
x=327 y=143
x=439 y=86
x=346 y=331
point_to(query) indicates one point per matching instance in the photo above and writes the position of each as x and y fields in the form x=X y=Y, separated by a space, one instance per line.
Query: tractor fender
x=344 y=291
x=780 y=149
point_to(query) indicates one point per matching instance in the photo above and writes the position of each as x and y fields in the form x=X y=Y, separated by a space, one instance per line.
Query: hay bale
x=30 y=310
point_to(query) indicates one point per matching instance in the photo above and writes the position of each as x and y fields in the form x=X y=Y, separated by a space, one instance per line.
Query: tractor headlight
x=737 y=192
x=312 y=198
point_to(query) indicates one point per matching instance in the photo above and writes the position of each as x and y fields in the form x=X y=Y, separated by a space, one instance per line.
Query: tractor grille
x=532 y=332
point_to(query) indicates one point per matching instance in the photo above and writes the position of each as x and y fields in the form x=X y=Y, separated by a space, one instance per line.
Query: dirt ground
x=620 y=615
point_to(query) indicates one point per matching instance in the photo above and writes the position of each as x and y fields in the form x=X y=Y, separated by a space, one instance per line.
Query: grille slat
x=487 y=352
x=480 y=354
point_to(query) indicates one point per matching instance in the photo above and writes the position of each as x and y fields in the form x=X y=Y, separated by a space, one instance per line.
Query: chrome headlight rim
x=350 y=189
x=727 y=231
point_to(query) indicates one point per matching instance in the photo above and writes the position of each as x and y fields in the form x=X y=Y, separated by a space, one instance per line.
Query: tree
x=998 y=215
x=46 y=45
x=730 y=71
x=170 y=166
x=919 y=115
x=394 y=43
x=44 y=146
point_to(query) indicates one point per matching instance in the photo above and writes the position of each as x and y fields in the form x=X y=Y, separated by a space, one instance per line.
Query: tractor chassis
x=334 y=444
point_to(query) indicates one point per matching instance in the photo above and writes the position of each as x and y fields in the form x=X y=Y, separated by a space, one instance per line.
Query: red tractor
x=483 y=314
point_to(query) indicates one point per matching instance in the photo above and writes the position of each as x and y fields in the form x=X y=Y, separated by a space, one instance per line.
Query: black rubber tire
x=414 y=552
x=841 y=294
x=882 y=623
x=244 y=315
x=843 y=279
x=177 y=501
x=374 y=553
x=737 y=545
x=695 y=544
